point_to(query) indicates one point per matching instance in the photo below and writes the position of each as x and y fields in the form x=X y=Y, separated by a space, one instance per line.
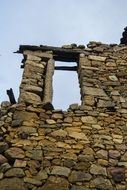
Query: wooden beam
x=11 y=96
x=59 y=53
x=65 y=68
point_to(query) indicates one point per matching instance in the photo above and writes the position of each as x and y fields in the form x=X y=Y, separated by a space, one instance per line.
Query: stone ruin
x=83 y=148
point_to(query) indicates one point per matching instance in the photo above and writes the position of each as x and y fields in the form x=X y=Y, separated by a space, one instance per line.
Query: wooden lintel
x=65 y=68
x=59 y=53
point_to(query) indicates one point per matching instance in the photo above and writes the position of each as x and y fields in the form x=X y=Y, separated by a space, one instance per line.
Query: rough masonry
x=83 y=148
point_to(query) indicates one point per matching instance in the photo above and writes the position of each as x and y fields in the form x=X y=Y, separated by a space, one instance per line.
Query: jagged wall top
x=101 y=70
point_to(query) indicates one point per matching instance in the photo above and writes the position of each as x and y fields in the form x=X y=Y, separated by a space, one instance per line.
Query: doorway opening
x=66 y=89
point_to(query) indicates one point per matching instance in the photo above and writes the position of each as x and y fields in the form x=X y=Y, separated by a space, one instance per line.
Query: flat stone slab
x=96 y=58
x=94 y=91
x=12 y=184
x=62 y=171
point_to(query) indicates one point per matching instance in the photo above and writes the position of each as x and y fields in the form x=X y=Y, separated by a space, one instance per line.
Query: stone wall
x=83 y=148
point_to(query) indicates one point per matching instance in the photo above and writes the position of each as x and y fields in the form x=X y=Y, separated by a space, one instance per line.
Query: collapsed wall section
x=81 y=148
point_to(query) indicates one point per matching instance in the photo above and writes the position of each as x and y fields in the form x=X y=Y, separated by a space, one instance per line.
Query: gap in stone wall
x=66 y=89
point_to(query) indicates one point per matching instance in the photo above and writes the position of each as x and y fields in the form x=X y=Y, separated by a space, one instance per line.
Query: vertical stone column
x=33 y=80
x=48 y=88
x=91 y=69
x=102 y=76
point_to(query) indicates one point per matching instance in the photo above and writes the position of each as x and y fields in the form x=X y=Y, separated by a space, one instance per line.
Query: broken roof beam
x=59 y=54
x=64 y=68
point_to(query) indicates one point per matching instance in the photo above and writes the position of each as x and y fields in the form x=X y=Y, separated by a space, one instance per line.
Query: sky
x=55 y=22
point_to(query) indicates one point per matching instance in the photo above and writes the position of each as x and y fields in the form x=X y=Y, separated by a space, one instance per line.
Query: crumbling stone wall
x=81 y=148
x=36 y=86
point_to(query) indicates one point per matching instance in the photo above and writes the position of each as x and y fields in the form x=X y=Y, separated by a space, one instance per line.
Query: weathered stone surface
x=3 y=147
x=5 y=104
x=38 y=53
x=33 y=57
x=27 y=130
x=79 y=176
x=86 y=158
x=63 y=145
x=35 y=64
x=74 y=106
x=102 y=154
x=3 y=159
x=24 y=115
x=1 y=175
x=17 y=122
x=4 y=167
x=32 y=181
x=124 y=157
x=69 y=163
x=13 y=153
x=20 y=163
x=77 y=135
x=57 y=116
x=89 y=100
x=117 y=138
x=60 y=133
x=59 y=170
x=54 y=183
x=50 y=121
x=94 y=91
x=33 y=89
x=96 y=58
x=122 y=164
x=77 y=187
x=12 y=184
x=103 y=162
x=68 y=120
x=34 y=154
x=42 y=175
x=103 y=104
x=101 y=183
x=98 y=170
x=89 y=120
x=113 y=78
x=115 y=154
x=15 y=172
x=70 y=156
x=118 y=174
x=30 y=98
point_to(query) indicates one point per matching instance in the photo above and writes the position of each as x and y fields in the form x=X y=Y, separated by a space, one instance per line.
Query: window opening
x=66 y=89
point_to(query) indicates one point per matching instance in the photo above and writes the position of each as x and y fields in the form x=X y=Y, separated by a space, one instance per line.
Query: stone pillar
x=92 y=75
x=48 y=89
x=33 y=80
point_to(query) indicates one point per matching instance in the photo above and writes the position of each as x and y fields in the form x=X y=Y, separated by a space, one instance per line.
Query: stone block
x=33 y=58
x=14 y=153
x=33 y=89
x=77 y=135
x=101 y=183
x=117 y=173
x=93 y=91
x=79 y=176
x=30 y=98
x=96 y=58
x=89 y=120
x=59 y=133
x=98 y=170
x=12 y=183
x=15 y=172
x=54 y=183
x=62 y=171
